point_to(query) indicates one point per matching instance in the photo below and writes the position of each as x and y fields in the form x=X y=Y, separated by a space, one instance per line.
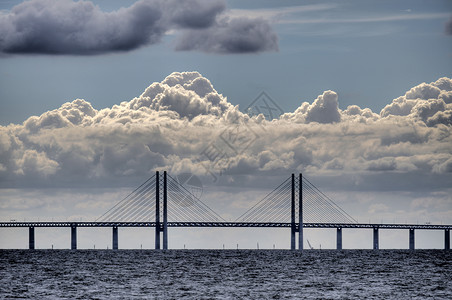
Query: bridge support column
x=73 y=237
x=31 y=237
x=165 y=214
x=115 y=238
x=157 y=211
x=292 y=215
x=411 y=239
x=375 y=245
x=300 y=212
x=446 y=239
x=339 y=238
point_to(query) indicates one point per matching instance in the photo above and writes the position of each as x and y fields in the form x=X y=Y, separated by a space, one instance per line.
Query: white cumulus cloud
x=182 y=124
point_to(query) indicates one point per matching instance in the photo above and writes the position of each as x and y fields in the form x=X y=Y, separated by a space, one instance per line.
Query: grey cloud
x=445 y=167
x=193 y=14
x=65 y=27
x=441 y=117
x=239 y=35
x=448 y=27
x=172 y=122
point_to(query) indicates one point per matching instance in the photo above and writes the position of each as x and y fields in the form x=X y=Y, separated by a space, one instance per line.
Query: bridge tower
x=161 y=226
x=165 y=213
x=157 y=211
x=300 y=212
x=293 y=224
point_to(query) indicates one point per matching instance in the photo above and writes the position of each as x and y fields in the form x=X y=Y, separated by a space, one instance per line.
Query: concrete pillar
x=292 y=215
x=300 y=212
x=165 y=214
x=339 y=238
x=411 y=239
x=375 y=246
x=31 y=237
x=157 y=211
x=73 y=237
x=115 y=238
x=446 y=239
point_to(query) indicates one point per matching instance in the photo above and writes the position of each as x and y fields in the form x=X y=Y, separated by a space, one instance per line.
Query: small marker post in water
x=223 y=246
x=237 y=246
x=141 y=246
x=258 y=246
x=273 y=246
x=184 y=246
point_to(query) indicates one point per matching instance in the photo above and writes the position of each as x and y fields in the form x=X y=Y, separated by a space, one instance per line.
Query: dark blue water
x=225 y=274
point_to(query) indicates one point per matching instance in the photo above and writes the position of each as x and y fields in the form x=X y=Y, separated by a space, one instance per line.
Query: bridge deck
x=222 y=224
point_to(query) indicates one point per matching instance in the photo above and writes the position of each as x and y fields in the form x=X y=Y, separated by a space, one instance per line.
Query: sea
x=225 y=274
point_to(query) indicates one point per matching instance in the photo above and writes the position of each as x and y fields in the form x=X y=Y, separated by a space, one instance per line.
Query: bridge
x=162 y=202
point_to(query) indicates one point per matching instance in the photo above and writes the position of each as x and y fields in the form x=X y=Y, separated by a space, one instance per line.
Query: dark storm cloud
x=82 y=28
x=240 y=35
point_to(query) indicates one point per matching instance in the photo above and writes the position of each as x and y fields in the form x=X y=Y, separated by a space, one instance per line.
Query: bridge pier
x=73 y=237
x=157 y=211
x=375 y=245
x=446 y=239
x=411 y=239
x=339 y=238
x=115 y=238
x=31 y=238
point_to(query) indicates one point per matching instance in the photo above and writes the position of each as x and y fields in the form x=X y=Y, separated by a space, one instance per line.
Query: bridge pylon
x=161 y=226
x=293 y=222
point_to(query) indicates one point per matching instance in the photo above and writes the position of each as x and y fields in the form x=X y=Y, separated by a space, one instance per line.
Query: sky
x=96 y=96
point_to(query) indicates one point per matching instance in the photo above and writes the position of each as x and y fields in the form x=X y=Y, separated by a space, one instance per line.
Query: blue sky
x=90 y=109
x=368 y=52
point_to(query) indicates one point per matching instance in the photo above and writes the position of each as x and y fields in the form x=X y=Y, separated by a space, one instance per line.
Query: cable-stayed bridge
x=162 y=202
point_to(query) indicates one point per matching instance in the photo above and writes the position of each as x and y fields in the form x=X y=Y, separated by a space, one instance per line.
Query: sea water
x=225 y=274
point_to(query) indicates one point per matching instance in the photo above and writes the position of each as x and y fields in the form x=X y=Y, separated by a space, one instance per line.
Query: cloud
x=66 y=27
x=430 y=103
x=369 y=19
x=193 y=14
x=324 y=109
x=448 y=26
x=188 y=94
x=239 y=35
x=182 y=124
